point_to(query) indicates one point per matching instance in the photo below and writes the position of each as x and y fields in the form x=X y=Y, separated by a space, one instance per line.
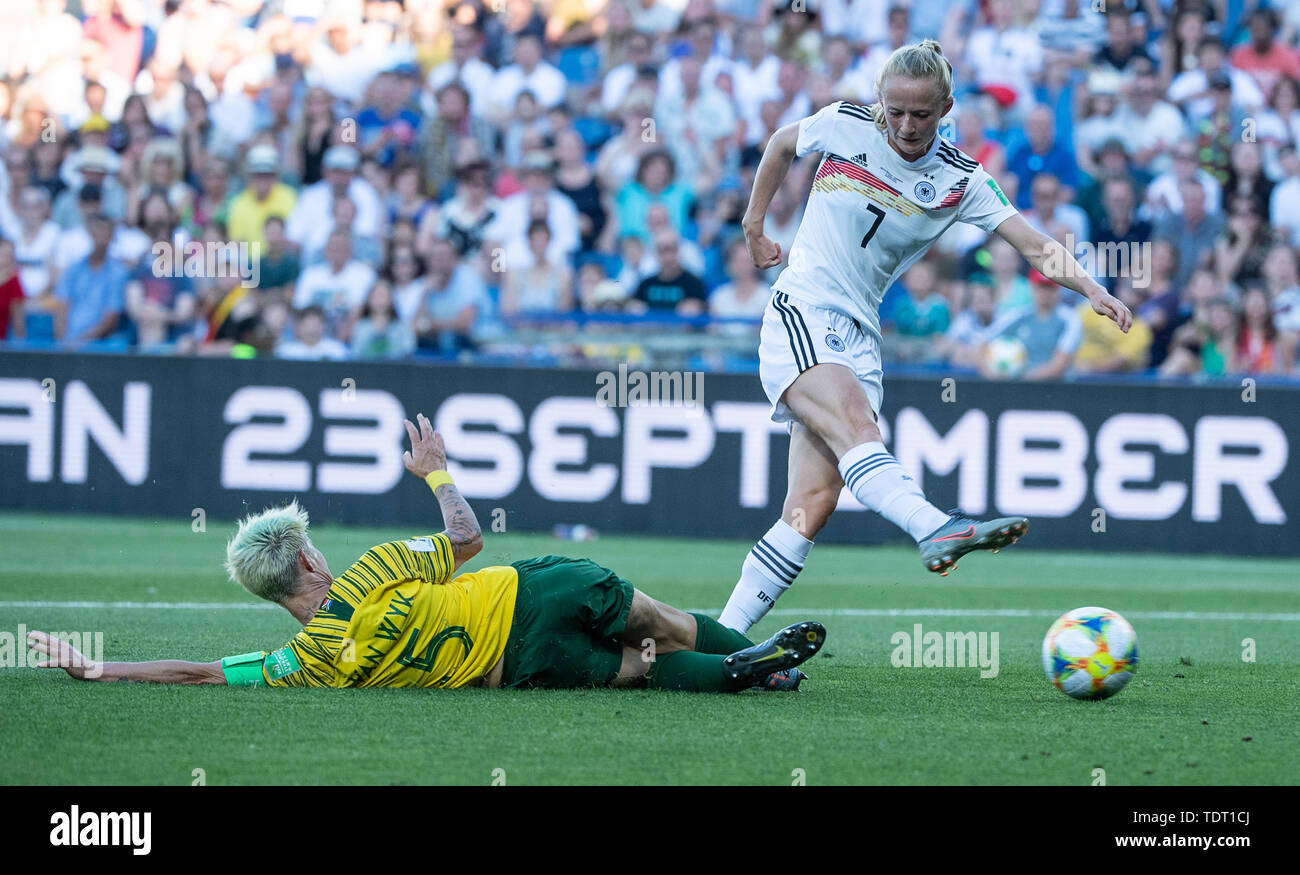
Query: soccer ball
x=1090 y=653
x=1006 y=357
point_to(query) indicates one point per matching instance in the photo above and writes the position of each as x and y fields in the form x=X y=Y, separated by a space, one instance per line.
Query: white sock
x=876 y=479
x=768 y=571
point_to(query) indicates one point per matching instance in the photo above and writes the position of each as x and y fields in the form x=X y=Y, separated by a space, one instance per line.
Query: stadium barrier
x=1095 y=465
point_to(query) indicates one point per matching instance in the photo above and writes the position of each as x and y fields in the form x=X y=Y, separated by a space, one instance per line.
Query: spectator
x=1098 y=125
x=1239 y=253
x=963 y=343
x=1218 y=129
x=1005 y=55
x=1103 y=348
x=264 y=196
x=404 y=274
x=34 y=239
x=1049 y=206
x=1279 y=124
x=443 y=133
x=279 y=264
x=454 y=299
x=338 y=286
x=1193 y=89
x=387 y=127
x=1122 y=52
x=95 y=166
x=919 y=318
x=575 y=180
x=970 y=136
x=158 y=302
x=1120 y=223
x=1163 y=198
x=12 y=298
x=1050 y=331
x=1246 y=177
x=380 y=333
x=1284 y=204
x=745 y=296
x=1264 y=57
x=1256 y=350
x=528 y=72
x=538 y=200
x=464 y=220
x=1150 y=124
x=310 y=343
x=672 y=289
x=313 y=136
x=91 y=292
x=466 y=68
x=618 y=79
x=1160 y=309
x=340 y=166
x=1193 y=231
x=1040 y=153
x=619 y=160
x=543 y=286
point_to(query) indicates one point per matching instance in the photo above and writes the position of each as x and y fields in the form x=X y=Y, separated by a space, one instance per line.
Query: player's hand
x=427 y=453
x=1113 y=309
x=765 y=251
x=62 y=655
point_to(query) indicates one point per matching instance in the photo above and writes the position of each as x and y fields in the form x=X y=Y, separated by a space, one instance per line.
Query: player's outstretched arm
x=1055 y=262
x=771 y=172
x=426 y=456
x=165 y=671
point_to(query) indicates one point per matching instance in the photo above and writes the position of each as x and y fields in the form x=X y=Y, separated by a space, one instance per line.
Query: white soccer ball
x=1006 y=357
x=1090 y=653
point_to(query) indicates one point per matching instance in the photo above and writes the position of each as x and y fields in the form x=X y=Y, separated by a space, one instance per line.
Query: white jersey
x=871 y=214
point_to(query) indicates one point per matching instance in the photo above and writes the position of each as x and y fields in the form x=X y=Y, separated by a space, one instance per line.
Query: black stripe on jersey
x=859 y=112
x=449 y=558
x=957 y=155
x=800 y=354
x=951 y=156
x=812 y=350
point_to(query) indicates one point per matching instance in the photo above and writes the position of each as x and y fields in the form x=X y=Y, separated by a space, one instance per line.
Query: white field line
x=807 y=613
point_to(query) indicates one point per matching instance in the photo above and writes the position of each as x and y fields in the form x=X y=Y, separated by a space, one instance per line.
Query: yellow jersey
x=393 y=619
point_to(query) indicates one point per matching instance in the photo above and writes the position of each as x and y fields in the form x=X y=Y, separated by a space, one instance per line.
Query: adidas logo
x=860 y=159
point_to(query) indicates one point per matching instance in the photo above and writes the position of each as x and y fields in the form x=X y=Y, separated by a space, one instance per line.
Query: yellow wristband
x=438 y=478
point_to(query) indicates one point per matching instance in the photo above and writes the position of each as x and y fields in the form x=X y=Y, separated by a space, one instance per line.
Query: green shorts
x=569 y=617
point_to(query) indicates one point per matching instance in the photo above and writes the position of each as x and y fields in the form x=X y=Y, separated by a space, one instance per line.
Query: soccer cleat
x=781 y=681
x=941 y=549
x=783 y=651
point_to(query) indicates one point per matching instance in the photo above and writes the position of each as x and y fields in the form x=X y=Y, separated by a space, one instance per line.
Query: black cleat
x=781 y=682
x=783 y=651
x=941 y=549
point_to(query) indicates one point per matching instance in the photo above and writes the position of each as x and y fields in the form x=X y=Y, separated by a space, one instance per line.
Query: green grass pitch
x=1196 y=712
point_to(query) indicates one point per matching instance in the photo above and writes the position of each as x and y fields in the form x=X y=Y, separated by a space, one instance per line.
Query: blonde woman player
x=886 y=188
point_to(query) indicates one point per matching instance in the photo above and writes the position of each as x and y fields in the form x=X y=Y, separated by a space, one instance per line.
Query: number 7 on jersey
x=871 y=232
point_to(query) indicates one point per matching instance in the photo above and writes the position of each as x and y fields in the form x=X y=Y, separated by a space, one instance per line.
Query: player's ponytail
x=923 y=60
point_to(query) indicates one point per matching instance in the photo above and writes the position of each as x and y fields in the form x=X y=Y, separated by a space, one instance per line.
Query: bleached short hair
x=262 y=557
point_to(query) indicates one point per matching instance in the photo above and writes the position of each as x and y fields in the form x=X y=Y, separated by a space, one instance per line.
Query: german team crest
x=834 y=342
x=924 y=192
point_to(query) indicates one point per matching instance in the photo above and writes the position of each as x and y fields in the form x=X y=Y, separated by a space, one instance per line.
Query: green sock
x=713 y=637
x=692 y=672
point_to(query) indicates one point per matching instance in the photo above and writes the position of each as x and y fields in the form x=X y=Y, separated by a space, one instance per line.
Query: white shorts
x=797 y=335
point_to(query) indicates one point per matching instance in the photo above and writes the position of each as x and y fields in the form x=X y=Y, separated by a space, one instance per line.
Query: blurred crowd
x=329 y=179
